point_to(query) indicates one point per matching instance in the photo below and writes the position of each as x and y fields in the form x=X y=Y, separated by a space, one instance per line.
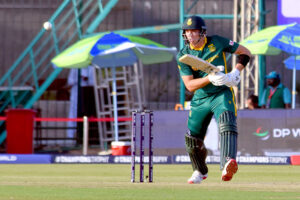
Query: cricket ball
x=47 y=26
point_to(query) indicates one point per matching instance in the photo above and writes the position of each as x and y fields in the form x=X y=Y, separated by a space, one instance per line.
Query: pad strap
x=227 y=122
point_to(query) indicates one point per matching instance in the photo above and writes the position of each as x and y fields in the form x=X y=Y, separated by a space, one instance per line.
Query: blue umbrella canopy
x=127 y=50
x=274 y=39
x=292 y=62
x=288 y=39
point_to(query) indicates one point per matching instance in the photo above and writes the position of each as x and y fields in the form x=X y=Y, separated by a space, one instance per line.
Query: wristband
x=243 y=59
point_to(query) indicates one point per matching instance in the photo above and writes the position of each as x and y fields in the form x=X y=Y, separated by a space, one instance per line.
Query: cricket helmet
x=194 y=22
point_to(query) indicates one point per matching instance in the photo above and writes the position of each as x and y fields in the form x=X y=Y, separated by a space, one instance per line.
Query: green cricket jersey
x=214 y=52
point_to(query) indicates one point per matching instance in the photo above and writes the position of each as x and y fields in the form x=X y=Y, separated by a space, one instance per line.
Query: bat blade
x=198 y=64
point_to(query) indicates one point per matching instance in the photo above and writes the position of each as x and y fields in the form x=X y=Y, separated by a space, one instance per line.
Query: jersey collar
x=200 y=48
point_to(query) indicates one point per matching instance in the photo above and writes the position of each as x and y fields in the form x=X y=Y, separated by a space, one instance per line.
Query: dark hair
x=253 y=98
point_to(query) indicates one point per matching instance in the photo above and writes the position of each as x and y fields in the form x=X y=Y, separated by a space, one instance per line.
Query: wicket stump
x=142 y=115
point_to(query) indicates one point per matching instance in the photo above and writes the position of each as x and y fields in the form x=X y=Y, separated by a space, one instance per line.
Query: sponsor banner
x=110 y=159
x=282 y=160
x=265 y=160
x=156 y=159
x=82 y=159
x=268 y=132
x=176 y=159
x=185 y=159
x=262 y=132
x=25 y=159
x=181 y=159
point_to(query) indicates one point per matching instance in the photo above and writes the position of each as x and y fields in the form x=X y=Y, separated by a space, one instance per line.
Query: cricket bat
x=198 y=63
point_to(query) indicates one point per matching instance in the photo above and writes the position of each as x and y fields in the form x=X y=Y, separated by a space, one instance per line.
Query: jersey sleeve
x=184 y=69
x=228 y=45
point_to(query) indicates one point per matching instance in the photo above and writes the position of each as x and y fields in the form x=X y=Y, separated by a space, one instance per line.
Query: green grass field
x=110 y=182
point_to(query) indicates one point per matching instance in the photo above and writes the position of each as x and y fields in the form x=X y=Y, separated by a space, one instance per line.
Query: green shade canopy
x=80 y=54
x=77 y=55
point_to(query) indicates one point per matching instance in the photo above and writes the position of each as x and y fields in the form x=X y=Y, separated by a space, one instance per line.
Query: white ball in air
x=47 y=26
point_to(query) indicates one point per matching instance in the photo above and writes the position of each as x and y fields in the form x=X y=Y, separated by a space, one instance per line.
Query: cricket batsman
x=213 y=96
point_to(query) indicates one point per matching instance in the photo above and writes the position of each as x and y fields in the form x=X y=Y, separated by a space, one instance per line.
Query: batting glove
x=234 y=78
x=221 y=68
x=218 y=78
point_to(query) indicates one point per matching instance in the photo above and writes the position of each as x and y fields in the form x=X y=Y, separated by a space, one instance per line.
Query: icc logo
x=263 y=136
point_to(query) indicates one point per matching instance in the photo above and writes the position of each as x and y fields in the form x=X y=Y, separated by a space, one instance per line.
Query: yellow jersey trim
x=201 y=48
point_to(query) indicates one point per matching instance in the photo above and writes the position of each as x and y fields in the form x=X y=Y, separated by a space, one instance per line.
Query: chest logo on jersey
x=212 y=58
x=211 y=48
